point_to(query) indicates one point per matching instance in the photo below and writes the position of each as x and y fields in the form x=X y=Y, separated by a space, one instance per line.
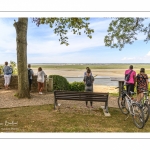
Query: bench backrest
x=81 y=96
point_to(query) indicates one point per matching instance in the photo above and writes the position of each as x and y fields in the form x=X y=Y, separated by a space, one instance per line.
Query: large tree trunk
x=21 y=40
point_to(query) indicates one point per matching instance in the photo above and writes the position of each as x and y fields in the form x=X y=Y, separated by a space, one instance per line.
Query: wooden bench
x=81 y=96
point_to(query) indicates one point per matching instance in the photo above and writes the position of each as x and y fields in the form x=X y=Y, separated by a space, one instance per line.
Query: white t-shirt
x=40 y=76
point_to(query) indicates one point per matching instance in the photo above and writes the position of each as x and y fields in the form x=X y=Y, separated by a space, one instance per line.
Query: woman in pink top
x=131 y=83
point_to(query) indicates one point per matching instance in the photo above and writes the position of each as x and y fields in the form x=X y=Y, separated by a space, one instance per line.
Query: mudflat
x=79 y=72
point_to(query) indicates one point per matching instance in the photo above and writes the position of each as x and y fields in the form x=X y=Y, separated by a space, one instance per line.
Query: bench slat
x=86 y=93
x=101 y=100
x=81 y=96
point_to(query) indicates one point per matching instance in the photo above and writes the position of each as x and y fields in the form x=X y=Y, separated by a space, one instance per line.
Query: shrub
x=59 y=82
x=1 y=68
x=14 y=67
x=77 y=86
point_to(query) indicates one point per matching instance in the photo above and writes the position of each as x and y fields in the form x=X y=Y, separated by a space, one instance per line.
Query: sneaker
x=40 y=93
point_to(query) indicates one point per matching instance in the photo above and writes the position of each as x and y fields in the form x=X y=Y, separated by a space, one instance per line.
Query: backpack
x=127 y=76
x=11 y=70
x=88 y=80
x=29 y=73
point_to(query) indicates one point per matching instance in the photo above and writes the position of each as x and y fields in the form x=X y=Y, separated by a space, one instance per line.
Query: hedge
x=77 y=86
x=61 y=83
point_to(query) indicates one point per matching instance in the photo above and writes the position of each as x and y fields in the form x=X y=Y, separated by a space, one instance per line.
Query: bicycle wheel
x=146 y=110
x=138 y=116
x=122 y=103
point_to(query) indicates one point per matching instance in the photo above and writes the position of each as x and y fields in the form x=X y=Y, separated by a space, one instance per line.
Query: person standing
x=88 y=80
x=30 y=76
x=40 y=80
x=142 y=83
x=87 y=68
x=131 y=81
x=7 y=75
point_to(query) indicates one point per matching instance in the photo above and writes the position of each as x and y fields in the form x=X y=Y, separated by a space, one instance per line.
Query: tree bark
x=21 y=41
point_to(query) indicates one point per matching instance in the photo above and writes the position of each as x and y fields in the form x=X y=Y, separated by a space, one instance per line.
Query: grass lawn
x=45 y=119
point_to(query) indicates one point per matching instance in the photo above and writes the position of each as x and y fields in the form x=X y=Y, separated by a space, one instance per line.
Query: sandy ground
x=100 y=88
x=80 y=72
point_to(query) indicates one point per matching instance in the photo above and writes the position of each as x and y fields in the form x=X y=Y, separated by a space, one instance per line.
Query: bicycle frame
x=145 y=97
x=128 y=106
x=128 y=100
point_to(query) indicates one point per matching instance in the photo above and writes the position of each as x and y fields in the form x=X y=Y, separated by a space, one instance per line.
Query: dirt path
x=8 y=100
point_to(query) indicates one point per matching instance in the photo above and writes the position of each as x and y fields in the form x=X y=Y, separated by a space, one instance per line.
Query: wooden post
x=121 y=84
x=50 y=85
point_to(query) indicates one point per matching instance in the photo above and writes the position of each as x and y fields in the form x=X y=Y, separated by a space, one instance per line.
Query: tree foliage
x=14 y=67
x=123 y=31
x=61 y=26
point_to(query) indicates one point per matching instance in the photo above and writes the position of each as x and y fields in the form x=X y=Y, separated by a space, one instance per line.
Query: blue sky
x=44 y=47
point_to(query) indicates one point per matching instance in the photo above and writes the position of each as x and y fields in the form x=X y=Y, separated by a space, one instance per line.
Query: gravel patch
x=8 y=100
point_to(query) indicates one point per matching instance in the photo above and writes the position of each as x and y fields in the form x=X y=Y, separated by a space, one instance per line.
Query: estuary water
x=99 y=80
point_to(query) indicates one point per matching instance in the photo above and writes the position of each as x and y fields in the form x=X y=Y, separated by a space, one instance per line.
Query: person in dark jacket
x=88 y=80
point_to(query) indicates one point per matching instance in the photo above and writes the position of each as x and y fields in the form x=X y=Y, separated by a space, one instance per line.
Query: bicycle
x=128 y=106
x=145 y=105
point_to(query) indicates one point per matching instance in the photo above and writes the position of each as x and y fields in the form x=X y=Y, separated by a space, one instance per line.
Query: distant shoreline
x=90 y=63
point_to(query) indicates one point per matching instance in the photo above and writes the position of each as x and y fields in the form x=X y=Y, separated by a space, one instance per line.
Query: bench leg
x=106 y=106
x=55 y=104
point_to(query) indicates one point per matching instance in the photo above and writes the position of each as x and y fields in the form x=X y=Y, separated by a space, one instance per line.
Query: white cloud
x=148 y=54
x=141 y=59
x=7 y=37
x=54 y=47
x=76 y=43
x=128 y=58
x=67 y=58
